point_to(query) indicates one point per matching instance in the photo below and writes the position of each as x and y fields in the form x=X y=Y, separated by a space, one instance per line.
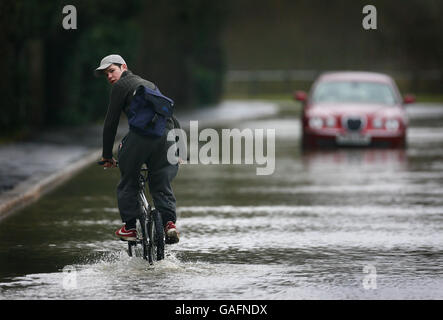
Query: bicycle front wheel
x=156 y=237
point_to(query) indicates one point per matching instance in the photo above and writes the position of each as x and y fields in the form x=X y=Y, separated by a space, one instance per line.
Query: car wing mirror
x=409 y=98
x=300 y=96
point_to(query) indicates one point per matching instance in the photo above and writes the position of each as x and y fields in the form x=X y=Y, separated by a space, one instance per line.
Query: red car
x=354 y=109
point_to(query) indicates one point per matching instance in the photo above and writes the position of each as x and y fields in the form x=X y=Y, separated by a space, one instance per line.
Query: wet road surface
x=340 y=224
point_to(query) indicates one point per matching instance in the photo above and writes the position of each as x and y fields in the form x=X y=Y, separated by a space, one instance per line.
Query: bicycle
x=150 y=232
x=149 y=226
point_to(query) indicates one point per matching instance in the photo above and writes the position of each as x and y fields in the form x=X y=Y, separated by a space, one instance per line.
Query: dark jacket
x=120 y=99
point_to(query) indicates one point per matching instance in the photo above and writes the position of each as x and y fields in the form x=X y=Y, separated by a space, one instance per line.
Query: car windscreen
x=354 y=92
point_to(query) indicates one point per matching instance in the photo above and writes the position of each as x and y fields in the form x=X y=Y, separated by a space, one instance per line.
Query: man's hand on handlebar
x=108 y=163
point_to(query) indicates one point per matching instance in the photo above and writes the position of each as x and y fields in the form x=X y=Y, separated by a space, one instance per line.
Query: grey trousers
x=133 y=152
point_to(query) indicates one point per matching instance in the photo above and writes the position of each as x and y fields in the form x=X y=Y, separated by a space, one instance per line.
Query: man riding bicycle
x=134 y=151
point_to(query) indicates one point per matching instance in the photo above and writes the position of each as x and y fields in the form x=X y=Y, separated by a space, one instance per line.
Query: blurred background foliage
x=311 y=36
x=192 y=48
x=49 y=79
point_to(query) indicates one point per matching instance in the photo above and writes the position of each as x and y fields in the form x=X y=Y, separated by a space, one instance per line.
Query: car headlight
x=316 y=123
x=392 y=124
x=377 y=123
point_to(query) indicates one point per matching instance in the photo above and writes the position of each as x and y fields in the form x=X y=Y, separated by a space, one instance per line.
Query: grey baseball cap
x=107 y=61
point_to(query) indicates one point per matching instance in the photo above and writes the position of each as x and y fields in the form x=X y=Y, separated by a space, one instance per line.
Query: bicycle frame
x=142 y=181
x=150 y=225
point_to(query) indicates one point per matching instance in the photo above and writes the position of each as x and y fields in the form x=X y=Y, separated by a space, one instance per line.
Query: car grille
x=354 y=124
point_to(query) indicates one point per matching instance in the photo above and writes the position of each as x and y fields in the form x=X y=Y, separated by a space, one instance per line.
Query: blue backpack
x=148 y=112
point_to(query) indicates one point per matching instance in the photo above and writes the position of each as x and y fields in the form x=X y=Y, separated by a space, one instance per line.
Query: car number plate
x=353 y=139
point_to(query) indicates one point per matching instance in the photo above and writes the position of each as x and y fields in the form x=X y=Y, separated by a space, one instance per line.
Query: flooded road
x=340 y=224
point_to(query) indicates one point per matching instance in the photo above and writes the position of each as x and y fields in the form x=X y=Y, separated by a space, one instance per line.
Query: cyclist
x=135 y=150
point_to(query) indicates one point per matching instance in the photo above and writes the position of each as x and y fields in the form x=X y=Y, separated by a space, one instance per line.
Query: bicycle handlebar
x=116 y=163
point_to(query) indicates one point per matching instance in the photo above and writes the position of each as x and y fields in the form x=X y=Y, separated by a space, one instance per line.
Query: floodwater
x=338 y=224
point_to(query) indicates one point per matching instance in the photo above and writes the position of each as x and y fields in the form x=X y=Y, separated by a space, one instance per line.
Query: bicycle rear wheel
x=144 y=232
x=156 y=237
